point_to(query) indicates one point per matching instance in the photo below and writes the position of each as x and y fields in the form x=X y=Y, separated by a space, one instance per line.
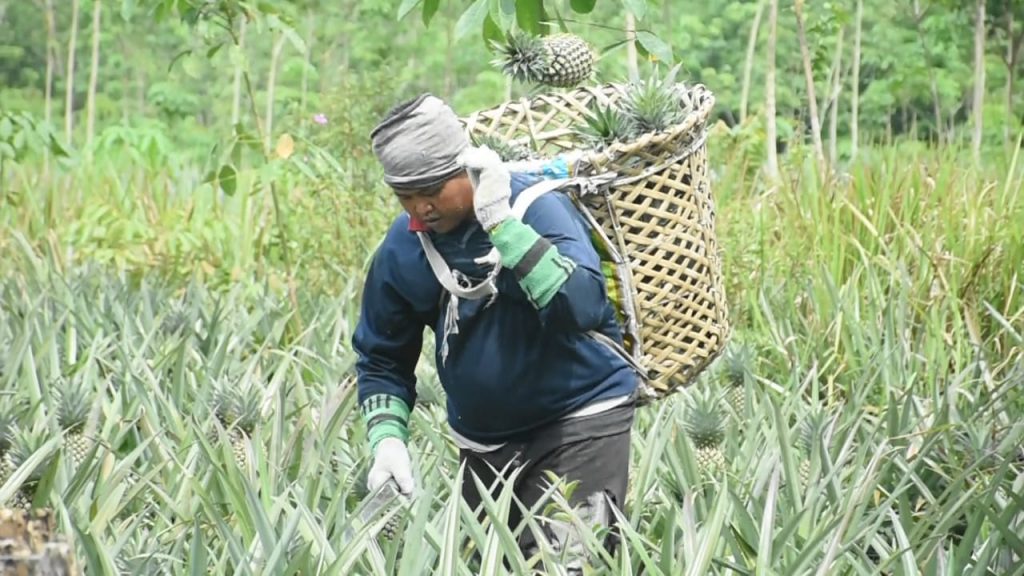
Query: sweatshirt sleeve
x=388 y=338
x=550 y=253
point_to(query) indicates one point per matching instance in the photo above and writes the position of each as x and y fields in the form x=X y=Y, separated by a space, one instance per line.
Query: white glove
x=491 y=183
x=391 y=460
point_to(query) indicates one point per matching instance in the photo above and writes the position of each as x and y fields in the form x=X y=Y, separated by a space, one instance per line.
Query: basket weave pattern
x=659 y=213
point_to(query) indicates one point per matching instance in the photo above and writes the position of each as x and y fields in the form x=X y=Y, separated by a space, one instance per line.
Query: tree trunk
x=449 y=60
x=979 y=78
x=936 y=100
x=771 y=133
x=1014 y=43
x=812 y=102
x=236 y=97
x=632 y=65
x=69 y=77
x=748 y=66
x=855 y=100
x=90 y=115
x=837 y=86
x=275 y=57
x=51 y=56
x=307 y=62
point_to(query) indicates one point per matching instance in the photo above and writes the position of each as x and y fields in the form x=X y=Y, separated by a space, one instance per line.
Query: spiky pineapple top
x=24 y=443
x=737 y=365
x=605 y=125
x=560 y=60
x=704 y=419
x=652 y=105
x=810 y=430
x=236 y=406
x=508 y=151
x=8 y=421
x=74 y=403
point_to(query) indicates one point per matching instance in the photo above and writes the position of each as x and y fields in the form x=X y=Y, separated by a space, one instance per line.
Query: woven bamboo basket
x=657 y=212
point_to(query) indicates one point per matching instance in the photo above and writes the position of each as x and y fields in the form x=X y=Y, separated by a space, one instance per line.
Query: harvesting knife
x=373 y=507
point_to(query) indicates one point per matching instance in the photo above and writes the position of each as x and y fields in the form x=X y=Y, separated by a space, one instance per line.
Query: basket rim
x=696 y=120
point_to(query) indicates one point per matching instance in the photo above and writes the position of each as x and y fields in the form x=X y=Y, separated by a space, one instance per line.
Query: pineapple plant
x=23 y=444
x=74 y=403
x=7 y=425
x=237 y=409
x=737 y=370
x=809 y=432
x=704 y=422
x=560 y=60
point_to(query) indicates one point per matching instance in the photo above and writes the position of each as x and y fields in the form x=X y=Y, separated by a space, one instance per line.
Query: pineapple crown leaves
x=236 y=405
x=811 y=428
x=25 y=442
x=738 y=365
x=653 y=104
x=521 y=56
x=704 y=417
x=10 y=412
x=508 y=151
x=74 y=401
x=605 y=124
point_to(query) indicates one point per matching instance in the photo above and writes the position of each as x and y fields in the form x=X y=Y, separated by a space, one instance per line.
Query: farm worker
x=526 y=386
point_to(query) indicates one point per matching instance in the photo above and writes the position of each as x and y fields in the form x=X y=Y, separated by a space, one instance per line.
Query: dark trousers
x=592 y=451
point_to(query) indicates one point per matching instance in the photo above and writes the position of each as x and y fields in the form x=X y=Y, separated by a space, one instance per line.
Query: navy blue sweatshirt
x=511 y=368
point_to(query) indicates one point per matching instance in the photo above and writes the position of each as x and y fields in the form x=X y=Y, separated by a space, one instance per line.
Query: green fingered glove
x=387 y=425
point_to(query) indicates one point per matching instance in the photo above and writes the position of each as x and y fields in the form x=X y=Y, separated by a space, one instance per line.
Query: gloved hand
x=491 y=183
x=391 y=460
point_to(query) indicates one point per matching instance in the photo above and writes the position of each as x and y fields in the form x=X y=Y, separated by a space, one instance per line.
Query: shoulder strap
x=448 y=279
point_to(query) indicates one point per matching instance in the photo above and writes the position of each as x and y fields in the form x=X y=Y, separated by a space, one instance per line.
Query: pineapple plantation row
x=190 y=433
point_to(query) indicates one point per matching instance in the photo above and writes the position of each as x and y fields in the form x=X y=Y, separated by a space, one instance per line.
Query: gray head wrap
x=418 y=143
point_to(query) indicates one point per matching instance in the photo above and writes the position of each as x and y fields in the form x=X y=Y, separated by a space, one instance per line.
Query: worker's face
x=441 y=208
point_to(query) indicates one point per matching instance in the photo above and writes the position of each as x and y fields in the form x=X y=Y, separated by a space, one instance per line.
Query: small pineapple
x=237 y=409
x=506 y=150
x=605 y=125
x=811 y=427
x=24 y=443
x=737 y=370
x=704 y=421
x=652 y=105
x=560 y=60
x=74 y=403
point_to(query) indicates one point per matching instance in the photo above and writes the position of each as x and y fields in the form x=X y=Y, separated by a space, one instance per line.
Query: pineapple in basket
x=560 y=60
x=237 y=409
x=652 y=105
x=704 y=422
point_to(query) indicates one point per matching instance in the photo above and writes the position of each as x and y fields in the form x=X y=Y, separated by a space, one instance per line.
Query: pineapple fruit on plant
x=74 y=401
x=559 y=60
x=23 y=443
x=811 y=428
x=737 y=371
x=237 y=408
x=704 y=422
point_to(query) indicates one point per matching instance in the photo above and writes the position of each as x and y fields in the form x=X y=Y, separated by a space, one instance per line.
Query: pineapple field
x=865 y=418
